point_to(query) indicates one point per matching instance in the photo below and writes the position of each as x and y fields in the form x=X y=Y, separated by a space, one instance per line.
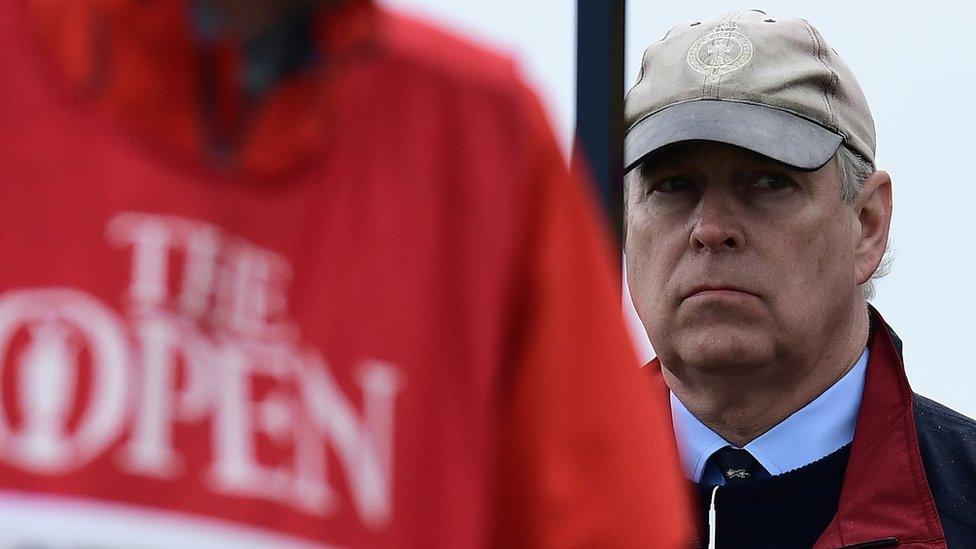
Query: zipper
x=883 y=542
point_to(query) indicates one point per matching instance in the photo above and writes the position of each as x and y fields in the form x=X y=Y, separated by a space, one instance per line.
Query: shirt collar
x=826 y=424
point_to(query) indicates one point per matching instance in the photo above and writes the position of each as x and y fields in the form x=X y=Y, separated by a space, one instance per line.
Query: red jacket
x=906 y=448
x=384 y=318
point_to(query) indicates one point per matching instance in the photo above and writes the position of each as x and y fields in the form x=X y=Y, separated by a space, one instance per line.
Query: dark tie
x=737 y=465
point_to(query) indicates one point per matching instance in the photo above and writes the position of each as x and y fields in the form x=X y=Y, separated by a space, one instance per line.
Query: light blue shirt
x=817 y=430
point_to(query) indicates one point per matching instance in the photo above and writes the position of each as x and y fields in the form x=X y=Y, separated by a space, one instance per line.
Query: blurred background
x=915 y=65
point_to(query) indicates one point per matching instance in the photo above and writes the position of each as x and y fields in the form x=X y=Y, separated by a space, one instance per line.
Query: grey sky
x=917 y=66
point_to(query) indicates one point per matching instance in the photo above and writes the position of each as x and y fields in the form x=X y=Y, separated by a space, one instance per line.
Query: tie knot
x=737 y=464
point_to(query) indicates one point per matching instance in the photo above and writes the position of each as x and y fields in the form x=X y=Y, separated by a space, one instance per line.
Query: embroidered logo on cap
x=721 y=51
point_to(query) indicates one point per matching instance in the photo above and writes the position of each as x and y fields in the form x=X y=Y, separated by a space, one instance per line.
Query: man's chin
x=722 y=348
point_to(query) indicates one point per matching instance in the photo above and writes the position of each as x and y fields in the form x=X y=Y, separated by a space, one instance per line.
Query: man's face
x=735 y=260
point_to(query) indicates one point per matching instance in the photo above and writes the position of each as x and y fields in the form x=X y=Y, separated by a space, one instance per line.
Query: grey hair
x=854 y=170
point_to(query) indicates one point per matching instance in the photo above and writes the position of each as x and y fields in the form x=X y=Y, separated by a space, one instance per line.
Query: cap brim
x=778 y=134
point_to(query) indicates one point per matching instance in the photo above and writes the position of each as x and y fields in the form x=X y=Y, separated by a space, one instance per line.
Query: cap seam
x=704 y=92
x=738 y=22
x=704 y=86
x=818 y=53
x=832 y=128
x=705 y=76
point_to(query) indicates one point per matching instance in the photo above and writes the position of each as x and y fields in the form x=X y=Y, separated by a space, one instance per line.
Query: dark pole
x=599 y=101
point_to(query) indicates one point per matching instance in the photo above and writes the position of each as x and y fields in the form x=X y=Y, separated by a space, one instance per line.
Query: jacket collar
x=885 y=495
x=885 y=492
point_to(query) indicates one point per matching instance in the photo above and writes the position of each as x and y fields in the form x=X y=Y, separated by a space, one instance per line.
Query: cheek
x=816 y=263
x=652 y=254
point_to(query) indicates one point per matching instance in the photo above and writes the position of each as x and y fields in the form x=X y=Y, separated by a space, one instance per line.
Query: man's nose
x=716 y=225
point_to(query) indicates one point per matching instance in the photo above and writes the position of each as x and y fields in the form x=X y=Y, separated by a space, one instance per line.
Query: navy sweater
x=784 y=511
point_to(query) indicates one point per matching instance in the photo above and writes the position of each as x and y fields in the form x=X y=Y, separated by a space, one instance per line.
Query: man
x=756 y=221
x=302 y=274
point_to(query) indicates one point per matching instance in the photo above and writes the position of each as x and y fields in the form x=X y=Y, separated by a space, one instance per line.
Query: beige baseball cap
x=769 y=85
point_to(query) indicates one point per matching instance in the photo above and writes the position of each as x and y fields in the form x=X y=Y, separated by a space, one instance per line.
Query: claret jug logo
x=722 y=51
x=205 y=340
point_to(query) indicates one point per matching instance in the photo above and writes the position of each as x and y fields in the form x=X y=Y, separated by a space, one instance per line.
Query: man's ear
x=873 y=207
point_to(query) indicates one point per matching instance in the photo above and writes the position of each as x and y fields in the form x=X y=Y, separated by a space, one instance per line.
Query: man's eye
x=771 y=182
x=673 y=185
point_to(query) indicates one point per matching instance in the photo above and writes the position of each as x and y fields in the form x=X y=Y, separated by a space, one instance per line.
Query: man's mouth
x=717 y=290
